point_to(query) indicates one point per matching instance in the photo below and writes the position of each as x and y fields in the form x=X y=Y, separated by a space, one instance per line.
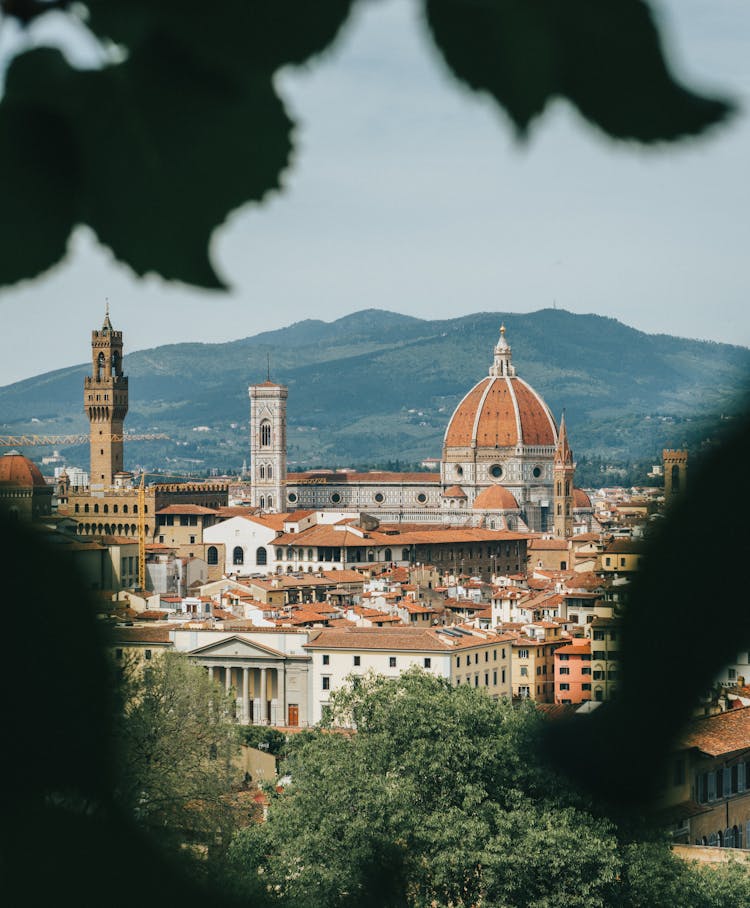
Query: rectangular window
x=326 y=659
x=326 y=679
x=357 y=660
x=427 y=662
x=391 y=661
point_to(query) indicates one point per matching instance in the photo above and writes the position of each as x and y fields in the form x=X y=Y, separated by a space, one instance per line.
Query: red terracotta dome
x=20 y=472
x=495 y=498
x=501 y=411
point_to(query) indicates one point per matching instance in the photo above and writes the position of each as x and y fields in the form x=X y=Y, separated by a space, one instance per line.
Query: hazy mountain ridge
x=376 y=386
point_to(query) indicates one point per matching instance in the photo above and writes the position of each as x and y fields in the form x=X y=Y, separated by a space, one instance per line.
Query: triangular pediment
x=237 y=647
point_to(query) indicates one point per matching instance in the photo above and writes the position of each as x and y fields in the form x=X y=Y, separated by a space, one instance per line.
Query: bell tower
x=563 y=470
x=268 y=445
x=105 y=400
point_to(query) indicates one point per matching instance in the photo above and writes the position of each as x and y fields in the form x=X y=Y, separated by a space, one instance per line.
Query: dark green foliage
x=606 y=59
x=182 y=124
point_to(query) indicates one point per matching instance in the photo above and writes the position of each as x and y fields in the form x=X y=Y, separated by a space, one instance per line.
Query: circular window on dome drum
x=421 y=498
x=335 y=498
x=292 y=496
x=379 y=497
x=459 y=471
x=536 y=472
x=496 y=470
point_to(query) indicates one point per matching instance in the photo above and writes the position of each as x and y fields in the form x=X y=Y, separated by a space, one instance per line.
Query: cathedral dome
x=495 y=498
x=501 y=411
x=20 y=472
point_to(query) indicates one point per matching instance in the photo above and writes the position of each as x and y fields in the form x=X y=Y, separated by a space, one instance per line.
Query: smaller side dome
x=580 y=499
x=454 y=492
x=495 y=498
x=20 y=472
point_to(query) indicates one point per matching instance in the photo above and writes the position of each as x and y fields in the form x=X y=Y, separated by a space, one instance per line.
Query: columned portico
x=257 y=676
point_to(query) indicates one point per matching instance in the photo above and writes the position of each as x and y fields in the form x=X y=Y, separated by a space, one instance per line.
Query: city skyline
x=408 y=193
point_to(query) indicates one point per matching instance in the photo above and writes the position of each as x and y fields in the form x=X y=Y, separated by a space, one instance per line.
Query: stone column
x=281 y=695
x=245 y=696
x=263 y=697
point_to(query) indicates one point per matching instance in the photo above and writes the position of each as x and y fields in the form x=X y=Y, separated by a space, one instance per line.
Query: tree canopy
x=439 y=798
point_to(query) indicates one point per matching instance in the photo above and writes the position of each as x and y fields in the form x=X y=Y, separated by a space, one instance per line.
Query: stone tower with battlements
x=563 y=470
x=268 y=445
x=105 y=400
x=675 y=472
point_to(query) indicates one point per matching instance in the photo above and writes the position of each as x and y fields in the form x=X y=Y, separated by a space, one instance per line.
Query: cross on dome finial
x=502 y=365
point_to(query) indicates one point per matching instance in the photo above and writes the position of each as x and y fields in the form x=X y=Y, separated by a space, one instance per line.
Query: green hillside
x=376 y=386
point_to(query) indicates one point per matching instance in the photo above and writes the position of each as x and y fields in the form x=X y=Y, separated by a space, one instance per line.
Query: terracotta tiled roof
x=18 y=471
x=140 y=635
x=186 y=509
x=501 y=412
x=376 y=477
x=495 y=498
x=722 y=734
x=402 y=638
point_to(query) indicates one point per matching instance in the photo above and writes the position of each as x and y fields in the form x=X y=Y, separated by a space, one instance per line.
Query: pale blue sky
x=410 y=193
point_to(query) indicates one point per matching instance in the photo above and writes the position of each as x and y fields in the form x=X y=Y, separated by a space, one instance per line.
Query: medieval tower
x=105 y=400
x=268 y=445
x=675 y=472
x=563 y=469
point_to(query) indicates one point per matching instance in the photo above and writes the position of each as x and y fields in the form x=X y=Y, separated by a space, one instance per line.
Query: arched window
x=238 y=556
x=265 y=434
x=261 y=556
x=675 y=478
x=262 y=472
x=212 y=555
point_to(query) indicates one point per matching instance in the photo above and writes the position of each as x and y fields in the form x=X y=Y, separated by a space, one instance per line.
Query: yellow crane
x=25 y=441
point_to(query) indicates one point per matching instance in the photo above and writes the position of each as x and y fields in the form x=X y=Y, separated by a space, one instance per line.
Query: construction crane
x=25 y=441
